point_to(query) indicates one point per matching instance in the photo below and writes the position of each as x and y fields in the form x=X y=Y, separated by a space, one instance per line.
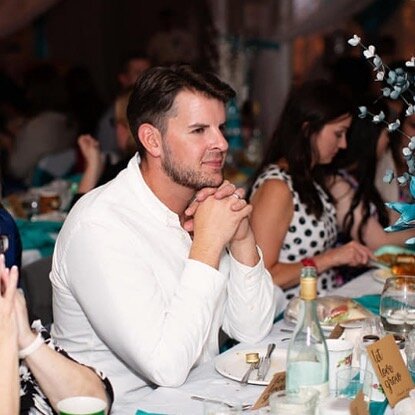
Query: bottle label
x=303 y=375
x=308 y=288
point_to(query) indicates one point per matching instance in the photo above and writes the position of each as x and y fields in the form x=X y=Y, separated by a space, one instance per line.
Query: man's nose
x=221 y=142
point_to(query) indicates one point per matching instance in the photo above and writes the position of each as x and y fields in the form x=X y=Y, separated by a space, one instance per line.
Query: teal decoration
x=378 y=408
x=38 y=235
x=233 y=126
x=370 y=302
x=406 y=219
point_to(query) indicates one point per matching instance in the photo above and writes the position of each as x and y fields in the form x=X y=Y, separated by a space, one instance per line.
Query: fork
x=244 y=407
x=254 y=366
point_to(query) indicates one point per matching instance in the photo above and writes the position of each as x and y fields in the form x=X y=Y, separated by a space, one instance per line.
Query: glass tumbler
x=397 y=305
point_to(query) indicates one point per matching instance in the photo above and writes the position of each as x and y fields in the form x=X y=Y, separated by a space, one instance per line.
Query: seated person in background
x=98 y=168
x=393 y=159
x=49 y=129
x=294 y=219
x=361 y=212
x=152 y=264
x=130 y=69
x=47 y=373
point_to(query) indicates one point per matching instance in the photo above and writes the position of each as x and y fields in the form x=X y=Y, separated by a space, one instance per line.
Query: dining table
x=39 y=230
x=206 y=382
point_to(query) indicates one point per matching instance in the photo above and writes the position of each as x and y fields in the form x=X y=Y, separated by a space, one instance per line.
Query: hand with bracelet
x=57 y=375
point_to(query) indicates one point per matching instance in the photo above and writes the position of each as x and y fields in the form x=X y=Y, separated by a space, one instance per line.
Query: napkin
x=140 y=412
x=38 y=235
x=378 y=408
x=370 y=302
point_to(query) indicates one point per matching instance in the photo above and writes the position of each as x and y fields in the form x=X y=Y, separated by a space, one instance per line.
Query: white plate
x=232 y=365
x=381 y=275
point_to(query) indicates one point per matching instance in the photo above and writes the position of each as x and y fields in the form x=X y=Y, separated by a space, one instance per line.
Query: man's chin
x=210 y=183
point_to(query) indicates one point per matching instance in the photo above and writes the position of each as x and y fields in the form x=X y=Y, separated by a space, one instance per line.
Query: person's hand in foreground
x=9 y=374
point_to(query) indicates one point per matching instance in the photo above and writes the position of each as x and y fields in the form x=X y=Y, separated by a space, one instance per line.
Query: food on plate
x=331 y=310
x=394 y=259
x=403 y=269
x=401 y=264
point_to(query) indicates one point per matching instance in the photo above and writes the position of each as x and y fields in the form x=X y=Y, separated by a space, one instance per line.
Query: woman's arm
x=271 y=217
x=57 y=376
x=9 y=373
x=374 y=235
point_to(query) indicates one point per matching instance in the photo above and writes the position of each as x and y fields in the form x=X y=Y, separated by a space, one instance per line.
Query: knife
x=266 y=363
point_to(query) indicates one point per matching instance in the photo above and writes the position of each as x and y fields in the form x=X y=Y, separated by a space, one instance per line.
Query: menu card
x=277 y=384
x=358 y=406
x=390 y=369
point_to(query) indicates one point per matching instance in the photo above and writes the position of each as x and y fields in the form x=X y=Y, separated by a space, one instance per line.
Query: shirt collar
x=154 y=204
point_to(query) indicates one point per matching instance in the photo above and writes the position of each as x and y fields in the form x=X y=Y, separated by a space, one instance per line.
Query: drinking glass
x=351 y=381
x=397 y=304
x=373 y=325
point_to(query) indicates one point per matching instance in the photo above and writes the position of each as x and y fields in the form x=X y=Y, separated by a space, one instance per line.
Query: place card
x=358 y=406
x=390 y=369
x=277 y=384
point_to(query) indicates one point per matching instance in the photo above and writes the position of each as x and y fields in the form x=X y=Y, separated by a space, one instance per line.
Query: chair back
x=38 y=290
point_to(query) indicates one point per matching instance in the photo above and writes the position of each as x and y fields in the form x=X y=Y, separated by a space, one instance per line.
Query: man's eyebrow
x=198 y=125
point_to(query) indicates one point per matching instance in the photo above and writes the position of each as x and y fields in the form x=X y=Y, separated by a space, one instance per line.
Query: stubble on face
x=188 y=177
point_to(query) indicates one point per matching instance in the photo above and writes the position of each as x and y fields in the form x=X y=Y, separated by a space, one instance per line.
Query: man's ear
x=150 y=138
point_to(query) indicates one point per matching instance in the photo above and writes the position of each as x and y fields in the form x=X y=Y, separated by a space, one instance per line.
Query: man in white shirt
x=148 y=267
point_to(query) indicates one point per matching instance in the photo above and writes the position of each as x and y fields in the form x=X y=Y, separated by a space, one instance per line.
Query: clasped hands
x=219 y=216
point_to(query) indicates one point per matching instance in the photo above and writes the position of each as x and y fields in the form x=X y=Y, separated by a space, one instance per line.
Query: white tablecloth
x=205 y=381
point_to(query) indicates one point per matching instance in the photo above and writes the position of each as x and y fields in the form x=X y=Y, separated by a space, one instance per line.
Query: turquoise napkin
x=36 y=235
x=378 y=408
x=140 y=412
x=370 y=302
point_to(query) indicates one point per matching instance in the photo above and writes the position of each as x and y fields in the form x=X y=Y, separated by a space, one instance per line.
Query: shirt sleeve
x=252 y=301
x=156 y=324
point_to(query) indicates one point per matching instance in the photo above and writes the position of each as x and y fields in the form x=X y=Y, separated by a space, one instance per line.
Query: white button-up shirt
x=128 y=300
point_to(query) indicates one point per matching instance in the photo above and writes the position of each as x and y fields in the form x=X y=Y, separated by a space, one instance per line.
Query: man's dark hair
x=154 y=94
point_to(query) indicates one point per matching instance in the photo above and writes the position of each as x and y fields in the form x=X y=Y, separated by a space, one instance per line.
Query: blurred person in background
x=99 y=168
x=361 y=211
x=48 y=128
x=130 y=69
x=84 y=101
x=171 y=43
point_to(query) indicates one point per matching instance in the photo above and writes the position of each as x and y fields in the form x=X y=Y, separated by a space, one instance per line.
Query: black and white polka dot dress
x=307 y=236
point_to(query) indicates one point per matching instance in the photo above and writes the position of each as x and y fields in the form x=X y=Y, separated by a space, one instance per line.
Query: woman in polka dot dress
x=294 y=219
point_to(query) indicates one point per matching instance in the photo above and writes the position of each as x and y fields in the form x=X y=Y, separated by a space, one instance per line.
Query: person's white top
x=128 y=301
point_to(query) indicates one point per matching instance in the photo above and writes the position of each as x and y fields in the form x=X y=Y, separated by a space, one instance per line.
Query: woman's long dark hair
x=308 y=109
x=360 y=160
